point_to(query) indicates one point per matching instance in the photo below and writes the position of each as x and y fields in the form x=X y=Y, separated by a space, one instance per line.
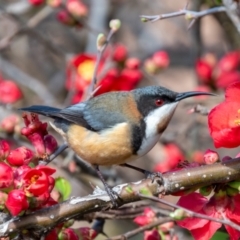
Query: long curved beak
x=181 y=96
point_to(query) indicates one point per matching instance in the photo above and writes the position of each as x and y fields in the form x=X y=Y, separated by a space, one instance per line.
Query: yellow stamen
x=85 y=69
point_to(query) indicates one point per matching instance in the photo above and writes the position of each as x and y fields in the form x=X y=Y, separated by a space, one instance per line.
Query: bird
x=116 y=127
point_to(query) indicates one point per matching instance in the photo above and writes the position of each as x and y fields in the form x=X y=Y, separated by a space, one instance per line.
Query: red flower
x=161 y=59
x=69 y=234
x=227 y=78
x=10 y=123
x=9 y=92
x=6 y=175
x=204 y=70
x=64 y=17
x=230 y=61
x=224 y=119
x=120 y=53
x=87 y=233
x=53 y=235
x=38 y=181
x=36 y=132
x=20 y=156
x=148 y=216
x=80 y=72
x=76 y=8
x=218 y=206
x=152 y=235
x=16 y=202
x=4 y=149
x=173 y=157
x=210 y=157
x=36 y=2
x=132 y=63
x=197 y=157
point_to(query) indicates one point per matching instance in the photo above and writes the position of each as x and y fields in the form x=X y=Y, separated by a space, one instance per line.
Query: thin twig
x=99 y=56
x=191 y=213
x=189 y=14
x=141 y=229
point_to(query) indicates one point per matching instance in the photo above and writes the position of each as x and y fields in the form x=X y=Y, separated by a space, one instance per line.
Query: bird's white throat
x=152 y=121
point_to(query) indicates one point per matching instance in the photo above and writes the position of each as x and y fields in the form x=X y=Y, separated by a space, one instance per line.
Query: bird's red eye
x=159 y=102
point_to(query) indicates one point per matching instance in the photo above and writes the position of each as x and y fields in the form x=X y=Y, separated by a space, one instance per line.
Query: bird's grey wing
x=102 y=113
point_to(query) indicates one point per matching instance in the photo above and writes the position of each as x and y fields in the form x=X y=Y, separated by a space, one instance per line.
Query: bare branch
x=191 y=15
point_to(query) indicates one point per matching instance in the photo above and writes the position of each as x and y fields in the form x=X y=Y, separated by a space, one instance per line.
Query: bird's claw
x=114 y=196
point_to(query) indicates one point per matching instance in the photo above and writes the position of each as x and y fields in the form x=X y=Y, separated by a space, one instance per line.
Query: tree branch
x=184 y=179
x=192 y=15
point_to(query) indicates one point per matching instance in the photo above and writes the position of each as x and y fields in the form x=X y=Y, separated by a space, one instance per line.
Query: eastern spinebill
x=115 y=127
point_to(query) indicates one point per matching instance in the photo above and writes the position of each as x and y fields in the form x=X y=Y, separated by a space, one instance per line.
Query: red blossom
x=37 y=181
x=4 y=149
x=210 y=157
x=148 y=216
x=173 y=157
x=50 y=144
x=152 y=235
x=6 y=175
x=80 y=72
x=161 y=59
x=9 y=92
x=20 y=156
x=9 y=123
x=69 y=234
x=204 y=70
x=218 y=206
x=36 y=2
x=87 y=233
x=229 y=62
x=16 y=202
x=64 y=17
x=132 y=63
x=197 y=157
x=76 y=8
x=53 y=235
x=224 y=119
x=120 y=53
x=227 y=78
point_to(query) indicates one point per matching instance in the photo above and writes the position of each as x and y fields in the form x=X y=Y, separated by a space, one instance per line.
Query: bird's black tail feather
x=42 y=110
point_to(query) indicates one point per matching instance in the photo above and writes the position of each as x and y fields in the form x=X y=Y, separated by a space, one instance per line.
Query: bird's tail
x=42 y=110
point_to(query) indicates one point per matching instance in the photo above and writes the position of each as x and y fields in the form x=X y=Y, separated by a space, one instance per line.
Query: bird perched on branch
x=116 y=127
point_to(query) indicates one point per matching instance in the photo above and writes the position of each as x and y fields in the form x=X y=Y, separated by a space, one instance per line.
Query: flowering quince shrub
x=26 y=186
x=216 y=74
x=123 y=76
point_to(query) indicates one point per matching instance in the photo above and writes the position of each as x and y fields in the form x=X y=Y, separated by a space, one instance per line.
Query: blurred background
x=49 y=50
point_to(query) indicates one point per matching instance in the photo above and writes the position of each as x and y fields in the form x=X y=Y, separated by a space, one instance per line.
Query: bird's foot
x=114 y=196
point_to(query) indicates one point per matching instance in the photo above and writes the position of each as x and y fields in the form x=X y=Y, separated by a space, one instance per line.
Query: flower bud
x=101 y=41
x=178 y=214
x=20 y=156
x=161 y=59
x=6 y=175
x=50 y=144
x=68 y=234
x=9 y=92
x=76 y=8
x=9 y=123
x=36 y=2
x=152 y=235
x=16 y=202
x=115 y=24
x=54 y=3
x=204 y=70
x=119 y=53
x=4 y=149
x=210 y=157
x=132 y=63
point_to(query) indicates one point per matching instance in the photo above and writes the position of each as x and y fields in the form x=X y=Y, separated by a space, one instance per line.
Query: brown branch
x=184 y=179
x=190 y=213
x=191 y=15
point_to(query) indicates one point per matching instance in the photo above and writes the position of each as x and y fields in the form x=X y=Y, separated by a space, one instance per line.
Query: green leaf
x=64 y=187
x=220 y=236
